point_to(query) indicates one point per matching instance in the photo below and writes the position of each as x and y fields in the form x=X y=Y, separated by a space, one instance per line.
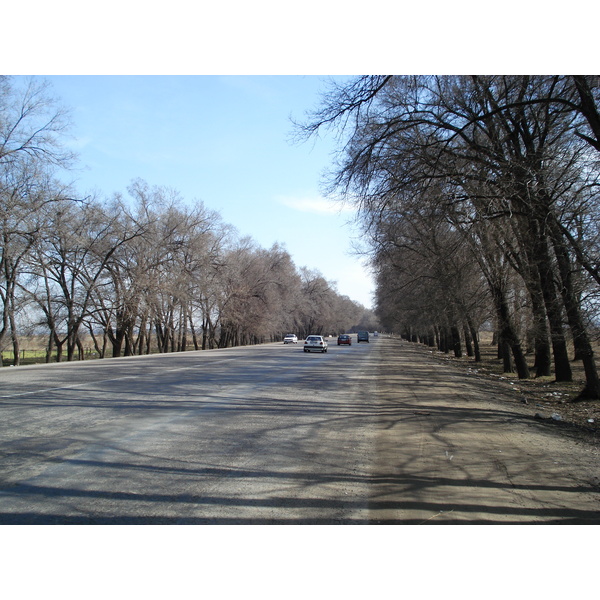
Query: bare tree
x=32 y=126
x=409 y=136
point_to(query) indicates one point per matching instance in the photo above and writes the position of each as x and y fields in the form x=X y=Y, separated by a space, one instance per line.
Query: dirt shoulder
x=542 y=398
x=456 y=445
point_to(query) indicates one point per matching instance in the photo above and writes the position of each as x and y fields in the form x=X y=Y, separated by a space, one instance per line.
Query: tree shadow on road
x=437 y=458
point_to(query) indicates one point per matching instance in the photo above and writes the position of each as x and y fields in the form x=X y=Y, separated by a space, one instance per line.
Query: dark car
x=344 y=339
x=362 y=336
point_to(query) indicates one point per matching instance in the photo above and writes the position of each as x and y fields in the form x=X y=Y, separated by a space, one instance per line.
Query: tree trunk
x=456 y=344
x=80 y=349
x=508 y=334
x=562 y=365
x=59 y=348
x=468 y=341
x=581 y=339
x=15 y=341
x=49 y=347
x=193 y=331
x=541 y=343
x=117 y=341
x=504 y=351
x=475 y=338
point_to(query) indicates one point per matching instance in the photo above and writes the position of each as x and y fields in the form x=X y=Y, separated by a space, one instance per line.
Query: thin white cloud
x=314 y=205
x=79 y=142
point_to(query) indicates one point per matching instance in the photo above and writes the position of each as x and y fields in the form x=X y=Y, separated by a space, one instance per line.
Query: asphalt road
x=371 y=433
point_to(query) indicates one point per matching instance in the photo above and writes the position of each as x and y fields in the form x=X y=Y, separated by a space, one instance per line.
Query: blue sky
x=224 y=140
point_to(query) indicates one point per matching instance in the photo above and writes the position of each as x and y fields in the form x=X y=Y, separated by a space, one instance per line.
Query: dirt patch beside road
x=543 y=398
x=455 y=446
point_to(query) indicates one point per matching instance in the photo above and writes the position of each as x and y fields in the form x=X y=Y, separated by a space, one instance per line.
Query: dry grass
x=33 y=351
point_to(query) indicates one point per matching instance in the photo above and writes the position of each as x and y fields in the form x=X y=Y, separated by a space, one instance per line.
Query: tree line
x=140 y=271
x=478 y=196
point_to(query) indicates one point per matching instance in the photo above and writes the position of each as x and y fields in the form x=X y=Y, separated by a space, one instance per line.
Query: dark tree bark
x=509 y=336
x=581 y=340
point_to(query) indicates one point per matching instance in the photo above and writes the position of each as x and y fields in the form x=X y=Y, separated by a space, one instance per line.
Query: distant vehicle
x=375 y=333
x=290 y=338
x=315 y=343
x=362 y=336
x=344 y=339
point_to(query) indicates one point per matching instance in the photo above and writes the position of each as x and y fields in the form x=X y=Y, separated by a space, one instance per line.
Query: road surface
x=366 y=434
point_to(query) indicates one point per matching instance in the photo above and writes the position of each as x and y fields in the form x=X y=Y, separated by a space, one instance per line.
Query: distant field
x=33 y=351
x=32 y=357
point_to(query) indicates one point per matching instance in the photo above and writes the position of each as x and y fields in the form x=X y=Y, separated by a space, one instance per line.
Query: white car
x=315 y=343
x=290 y=338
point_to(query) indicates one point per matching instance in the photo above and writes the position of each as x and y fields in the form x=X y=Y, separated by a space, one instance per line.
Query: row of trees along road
x=135 y=273
x=479 y=198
